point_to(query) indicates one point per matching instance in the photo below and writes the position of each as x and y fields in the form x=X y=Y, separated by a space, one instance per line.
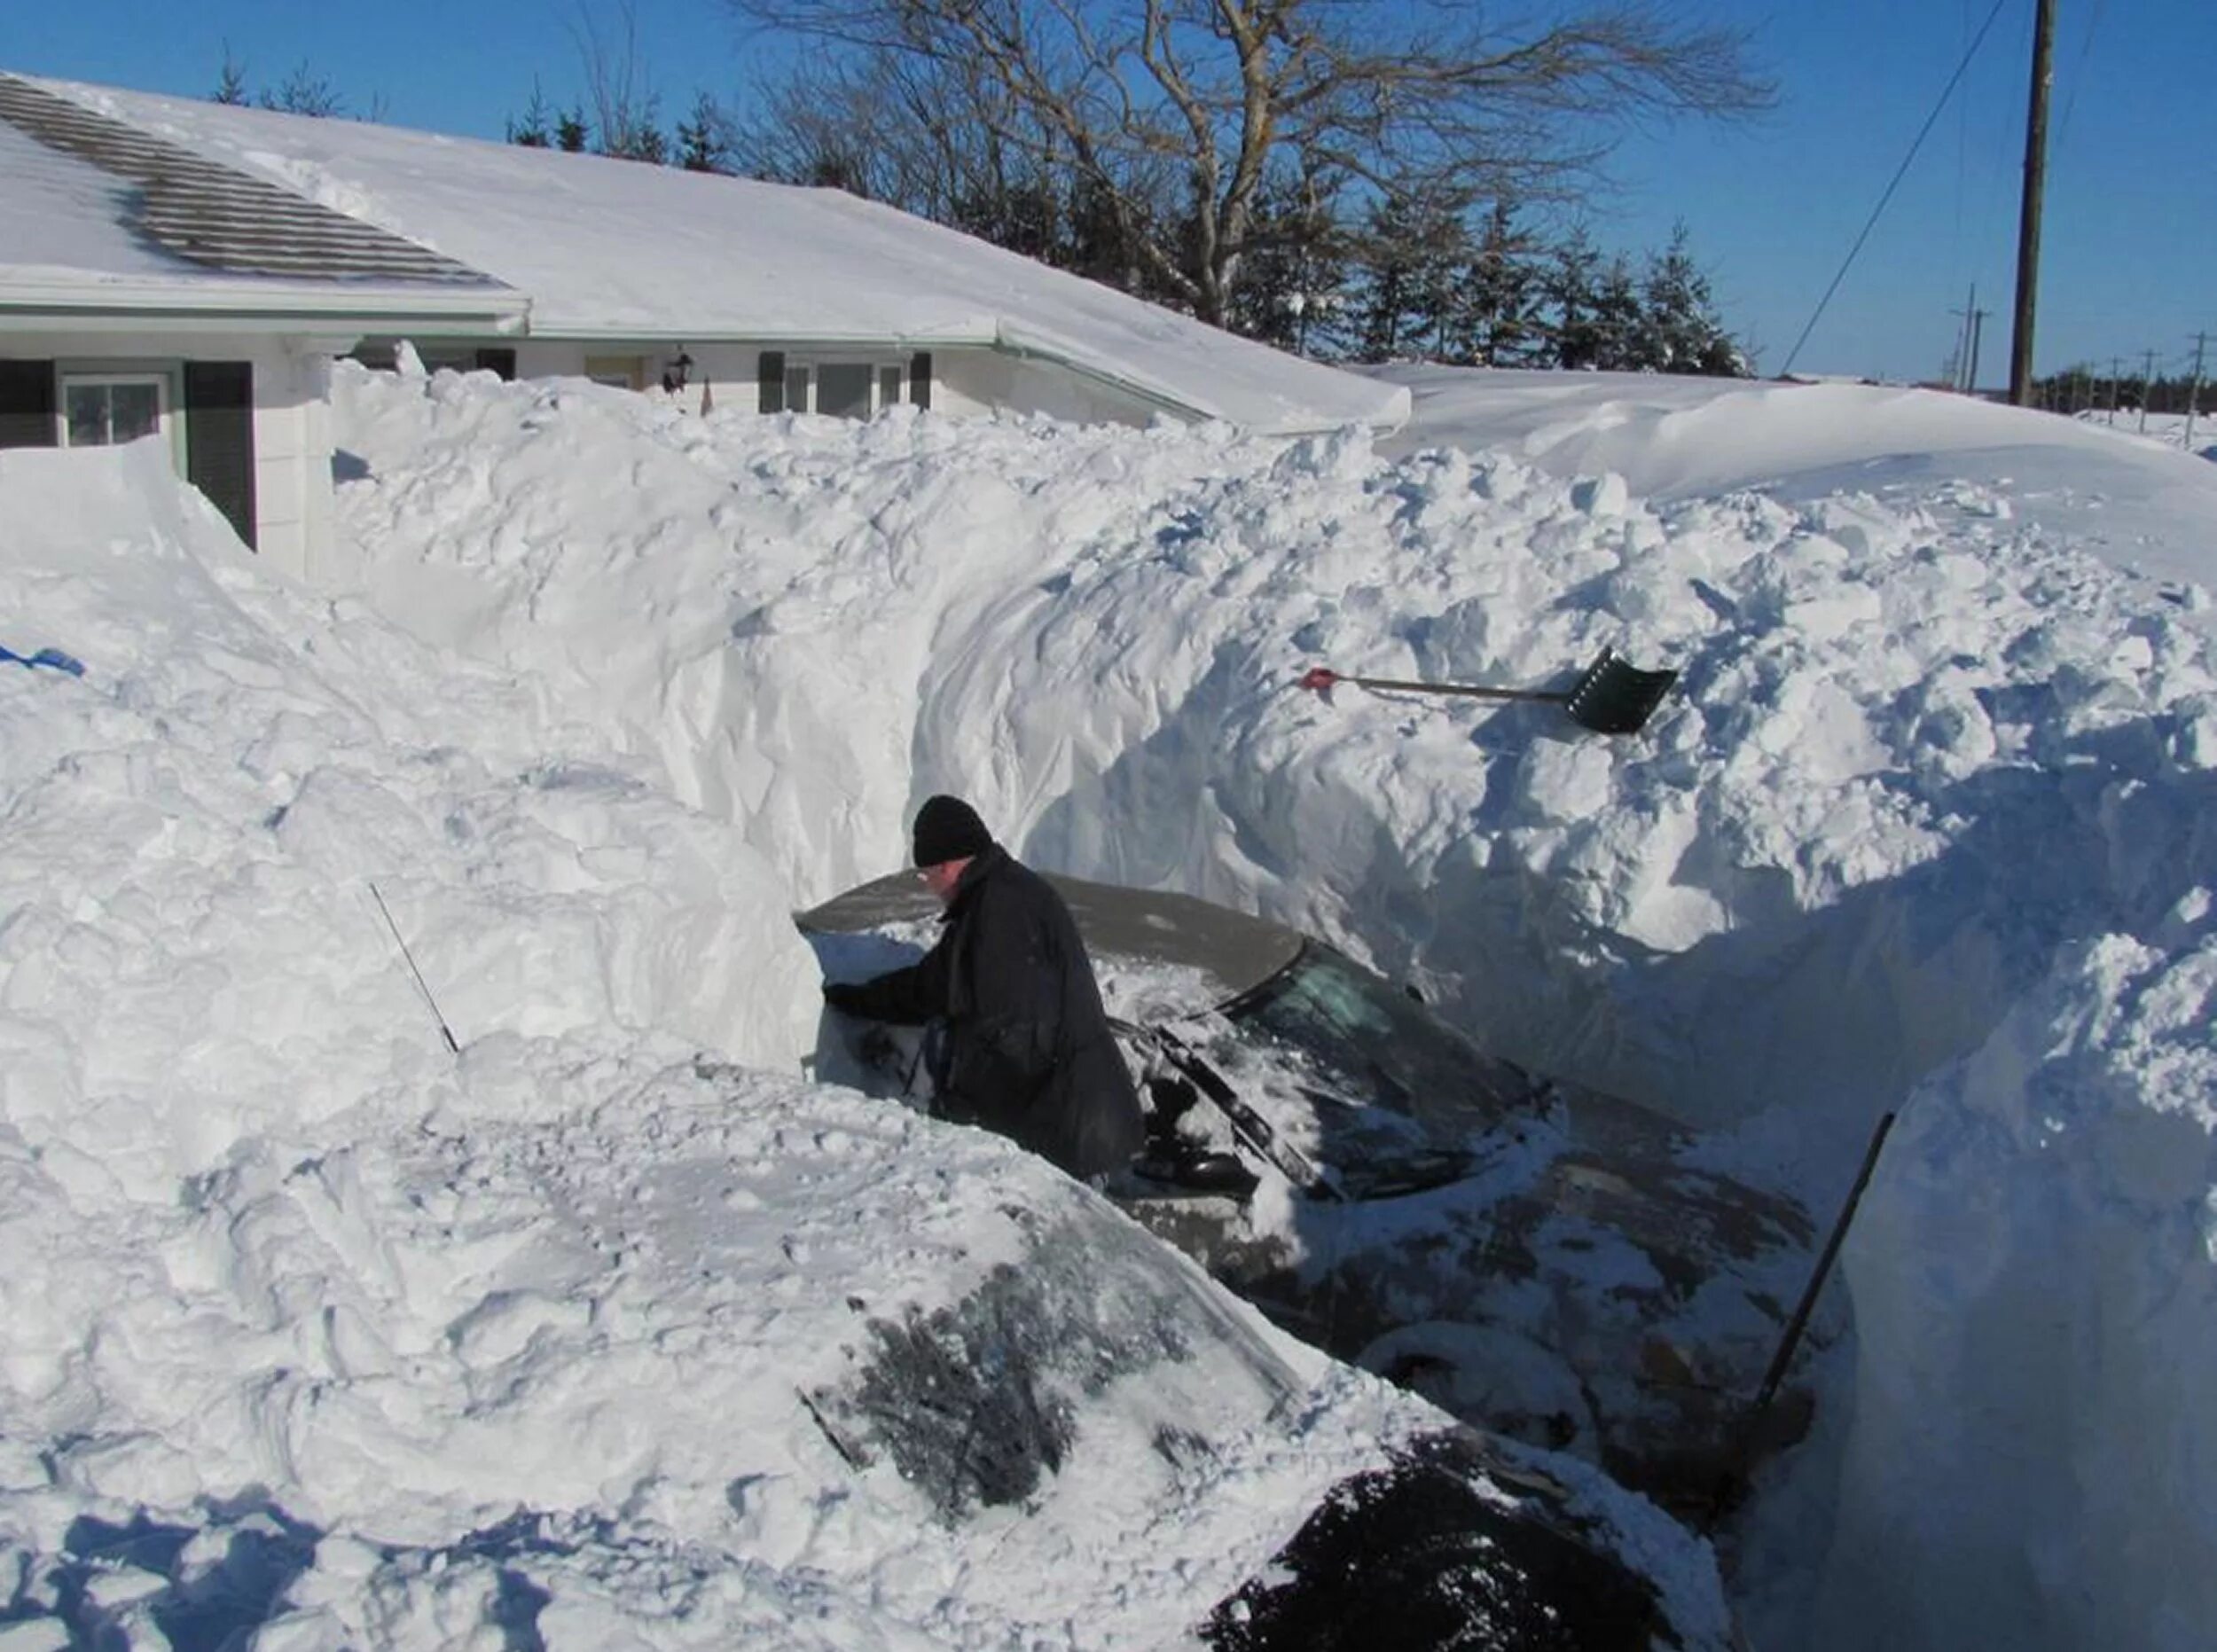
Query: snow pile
x=1932 y=786
x=2103 y=488
x=2044 y=1250
x=322 y=1335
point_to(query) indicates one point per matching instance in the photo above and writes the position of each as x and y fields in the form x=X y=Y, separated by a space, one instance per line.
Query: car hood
x=1161 y=956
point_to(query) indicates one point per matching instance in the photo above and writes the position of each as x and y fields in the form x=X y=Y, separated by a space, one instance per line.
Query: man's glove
x=847 y=996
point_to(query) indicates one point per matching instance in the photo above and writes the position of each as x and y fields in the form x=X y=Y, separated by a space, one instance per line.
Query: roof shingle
x=222 y=219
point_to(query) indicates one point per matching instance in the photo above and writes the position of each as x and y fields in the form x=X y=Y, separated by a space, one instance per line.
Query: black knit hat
x=947 y=828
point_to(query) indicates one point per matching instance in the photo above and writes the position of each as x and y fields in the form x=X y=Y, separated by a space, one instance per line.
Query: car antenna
x=430 y=1003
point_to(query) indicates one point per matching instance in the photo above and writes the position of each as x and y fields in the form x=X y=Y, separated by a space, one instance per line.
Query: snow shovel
x=1613 y=696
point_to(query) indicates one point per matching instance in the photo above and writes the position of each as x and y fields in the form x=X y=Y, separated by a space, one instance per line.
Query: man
x=1027 y=1050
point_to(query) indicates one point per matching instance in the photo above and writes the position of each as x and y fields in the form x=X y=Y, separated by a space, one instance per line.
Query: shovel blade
x=1615 y=696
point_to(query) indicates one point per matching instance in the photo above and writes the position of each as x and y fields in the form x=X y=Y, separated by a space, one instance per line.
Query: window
x=105 y=410
x=842 y=389
x=848 y=389
x=622 y=373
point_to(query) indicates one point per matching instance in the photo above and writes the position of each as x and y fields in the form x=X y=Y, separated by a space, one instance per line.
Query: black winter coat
x=1029 y=1051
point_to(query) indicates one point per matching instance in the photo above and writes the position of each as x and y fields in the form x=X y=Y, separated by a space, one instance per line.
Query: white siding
x=291 y=425
x=975 y=380
x=293 y=506
x=967 y=380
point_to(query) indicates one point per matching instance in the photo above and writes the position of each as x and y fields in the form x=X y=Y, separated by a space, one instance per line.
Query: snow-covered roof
x=613 y=249
x=103 y=216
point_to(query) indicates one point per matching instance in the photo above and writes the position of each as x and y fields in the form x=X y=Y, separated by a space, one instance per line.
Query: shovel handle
x=1319 y=678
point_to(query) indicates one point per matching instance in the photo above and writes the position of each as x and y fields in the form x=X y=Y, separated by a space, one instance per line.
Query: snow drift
x=1923 y=828
x=1947 y=721
x=321 y=1337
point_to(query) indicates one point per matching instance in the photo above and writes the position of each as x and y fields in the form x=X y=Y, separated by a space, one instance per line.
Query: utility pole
x=2194 y=396
x=2028 y=219
x=2146 y=382
x=1965 y=377
x=1961 y=355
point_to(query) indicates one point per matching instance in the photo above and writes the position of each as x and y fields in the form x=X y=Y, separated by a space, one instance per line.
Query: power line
x=1946 y=92
x=2078 y=73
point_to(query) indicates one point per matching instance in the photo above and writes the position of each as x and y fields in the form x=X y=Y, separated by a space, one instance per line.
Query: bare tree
x=626 y=108
x=1175 y=116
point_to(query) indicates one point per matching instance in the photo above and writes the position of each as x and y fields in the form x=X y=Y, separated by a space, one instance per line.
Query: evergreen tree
x=704 y=141
x=1498 y=314
x=1096 y=246
x=1684 y=331
x=230 y=85
x=636 y=137
x=1291 y=285
x=530 y=128
x=1567 y=290
x=571 y=134
x=304 y=92
x=1620 y=340
x=1411 y=253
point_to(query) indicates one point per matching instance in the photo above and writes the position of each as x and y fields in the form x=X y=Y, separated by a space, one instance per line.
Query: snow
x=80 y=211
x=614 y=249
x=612 y=688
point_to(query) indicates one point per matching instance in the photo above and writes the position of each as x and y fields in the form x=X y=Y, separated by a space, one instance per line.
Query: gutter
x=234 y=307
x=995 y=334
x=1164 y=400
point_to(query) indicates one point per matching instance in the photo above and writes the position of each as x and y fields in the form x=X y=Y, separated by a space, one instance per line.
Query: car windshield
x=1091 y=1324
x=1361 y=1044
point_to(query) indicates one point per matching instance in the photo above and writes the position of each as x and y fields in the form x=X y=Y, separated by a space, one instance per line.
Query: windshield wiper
x=1251 y=1126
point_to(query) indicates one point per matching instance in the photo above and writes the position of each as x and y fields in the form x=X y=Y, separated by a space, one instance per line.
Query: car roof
x=1236 y=950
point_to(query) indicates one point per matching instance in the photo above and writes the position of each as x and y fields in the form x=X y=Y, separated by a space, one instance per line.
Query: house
x=195 y=267
x=145 y=291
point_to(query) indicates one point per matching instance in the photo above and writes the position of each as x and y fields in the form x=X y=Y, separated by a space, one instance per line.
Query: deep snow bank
x=321 y=1337
x=1927 y=750
x=195 y=895
x=2108 y=487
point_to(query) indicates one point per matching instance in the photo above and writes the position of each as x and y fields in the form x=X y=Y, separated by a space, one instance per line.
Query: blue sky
x=2129 y=262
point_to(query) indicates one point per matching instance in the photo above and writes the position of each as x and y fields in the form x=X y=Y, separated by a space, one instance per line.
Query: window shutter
x=219 y=438
x=26 y=404
x=501 y=361
x=919 y=378
x=769 y=376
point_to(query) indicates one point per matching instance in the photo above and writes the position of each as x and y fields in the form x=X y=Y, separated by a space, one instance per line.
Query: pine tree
x=1497 y=317
x=638 y=136
x=1621 y=344
x=1413 y=252
x=230 y=86
x=1097 y=243
x=1681 y=316
x=530 y=128
x=571 y=134
x=703 y=141
x=1567 y=288
x=1291 y=285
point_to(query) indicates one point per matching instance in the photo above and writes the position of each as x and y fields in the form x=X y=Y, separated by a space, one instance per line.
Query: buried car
x=1538 y=1257
x=685 y=1355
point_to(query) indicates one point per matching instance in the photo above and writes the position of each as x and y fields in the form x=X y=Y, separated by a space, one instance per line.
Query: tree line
x=2079 y=389
x=1349 y=179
